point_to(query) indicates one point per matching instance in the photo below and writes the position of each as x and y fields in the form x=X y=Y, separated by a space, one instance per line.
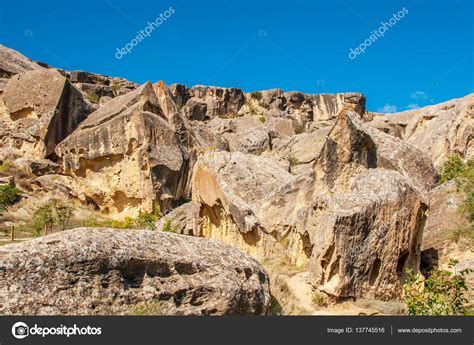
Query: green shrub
x=53 y=212
x=463 y=174
x=262 y=119
x=453 y=168
x=147 y=220
x=44 y=218
x=442 y=293
x=63 y=212
x=91 y=222
x=9 y=195
x=167 y=227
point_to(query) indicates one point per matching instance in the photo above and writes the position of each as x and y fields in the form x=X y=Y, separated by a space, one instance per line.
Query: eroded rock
x=41 y=109
x=352 y=224
x=106 y=271
x=439 y=131
x=126 y=156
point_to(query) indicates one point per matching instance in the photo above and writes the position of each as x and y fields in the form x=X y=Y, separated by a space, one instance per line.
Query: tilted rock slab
x=12 y=62
x=126 y=156
x=354 y=222
x=107 y=271
x=42 y=108
x=439 y=131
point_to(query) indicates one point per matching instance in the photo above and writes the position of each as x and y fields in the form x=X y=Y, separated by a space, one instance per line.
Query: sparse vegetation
x=293 y=160
x=463 y=174
x=452 y=169
x=9 y=195
x=63 y=212
x=148 y=308
x=115 y=88
x=53 y=212
x=167 y=227
x=44 y=218
x=147 y=220
x=320 y=299
x=256 y=95
x=92 y=97
x=442 y=293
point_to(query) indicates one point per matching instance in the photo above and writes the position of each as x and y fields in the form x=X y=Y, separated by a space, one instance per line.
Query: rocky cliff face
x=439 y=131
x=346 y=198
x=105 y=271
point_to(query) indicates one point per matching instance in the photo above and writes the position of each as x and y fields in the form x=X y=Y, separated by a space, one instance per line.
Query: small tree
x=442 y=293
x=63 y=212
x=44 y=218
x=8 y=196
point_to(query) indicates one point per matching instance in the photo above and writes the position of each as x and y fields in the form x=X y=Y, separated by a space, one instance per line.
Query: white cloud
x=419 y=95
x=413 y=106
x=388 y=109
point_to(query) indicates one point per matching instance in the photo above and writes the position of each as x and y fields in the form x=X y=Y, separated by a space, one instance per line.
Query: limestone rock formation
x=244 y=134
x=181 y=220
x=41 y=109
x=439 y=131
x=12 y=62
x=105 y=271
x=126 y=156
x=100 y=86
x=354 y=225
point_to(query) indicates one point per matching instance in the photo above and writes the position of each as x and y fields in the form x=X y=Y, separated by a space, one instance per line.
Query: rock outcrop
x=106 y=271
x=126 y=156
x=354 y=225
x=12 y=62
x=41 y=109
x=439 y=131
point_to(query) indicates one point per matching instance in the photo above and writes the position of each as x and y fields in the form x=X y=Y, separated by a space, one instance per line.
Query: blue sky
x=425 y=58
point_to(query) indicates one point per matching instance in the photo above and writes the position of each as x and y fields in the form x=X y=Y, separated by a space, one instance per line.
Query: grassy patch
x=92 y=97
x=149 y=308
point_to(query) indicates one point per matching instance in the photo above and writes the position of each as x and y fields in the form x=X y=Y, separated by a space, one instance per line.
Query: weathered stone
x=181 y=220
x=353 y=225
x=302 y=149
x=12 y=62
x=439 y=131
x=180 y=94
x=101 y=85
x=43 y=108
x=106 y=271
x=244 y=134
x=126 y=156
x=196 y=109
x=230 y=188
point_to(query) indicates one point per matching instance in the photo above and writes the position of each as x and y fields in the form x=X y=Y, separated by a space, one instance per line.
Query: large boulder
x=126 y=156
x=439 y=131
x=42 y=108
x=106 y=271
